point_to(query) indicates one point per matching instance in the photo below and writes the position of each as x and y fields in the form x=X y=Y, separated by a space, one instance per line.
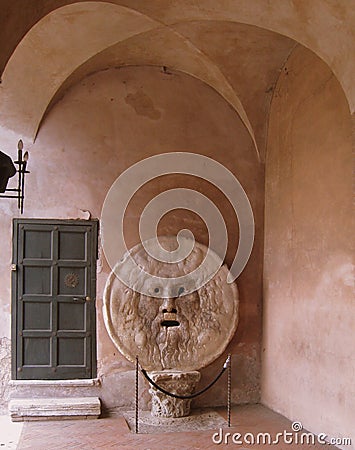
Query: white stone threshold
x=26 y=409
x=57 y=383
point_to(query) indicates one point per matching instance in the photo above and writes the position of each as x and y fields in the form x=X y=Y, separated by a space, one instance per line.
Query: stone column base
x=180 y=383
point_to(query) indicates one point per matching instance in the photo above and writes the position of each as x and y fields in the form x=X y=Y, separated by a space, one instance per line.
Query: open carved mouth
x=170 y=323
x=170 y=320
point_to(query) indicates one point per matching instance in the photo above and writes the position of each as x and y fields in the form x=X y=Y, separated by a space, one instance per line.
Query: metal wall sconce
x=8 y=170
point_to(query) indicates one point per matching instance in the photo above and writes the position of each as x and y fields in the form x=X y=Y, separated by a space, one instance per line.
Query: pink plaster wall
x=308 y=349
x=103 y=125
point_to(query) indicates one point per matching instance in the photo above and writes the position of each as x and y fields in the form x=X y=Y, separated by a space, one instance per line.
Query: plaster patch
x=143 y=105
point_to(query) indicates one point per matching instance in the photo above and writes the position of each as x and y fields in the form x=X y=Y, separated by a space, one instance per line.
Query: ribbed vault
x=239 y=52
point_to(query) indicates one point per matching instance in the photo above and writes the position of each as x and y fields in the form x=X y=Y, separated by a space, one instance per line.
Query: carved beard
x=170 y=343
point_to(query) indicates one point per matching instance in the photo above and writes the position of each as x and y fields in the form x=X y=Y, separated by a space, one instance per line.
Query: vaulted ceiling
x=237 y=48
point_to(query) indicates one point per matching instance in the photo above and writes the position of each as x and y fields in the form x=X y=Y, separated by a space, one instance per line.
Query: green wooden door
x=53 y=310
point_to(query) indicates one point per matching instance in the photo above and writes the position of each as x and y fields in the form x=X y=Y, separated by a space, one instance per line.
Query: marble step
x=26 y=409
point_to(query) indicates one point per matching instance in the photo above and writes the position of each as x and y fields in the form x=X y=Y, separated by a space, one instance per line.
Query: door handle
x=81 y=299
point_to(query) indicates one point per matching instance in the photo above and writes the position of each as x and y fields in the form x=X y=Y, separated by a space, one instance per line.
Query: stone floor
x=113 y=433
x=9 y=433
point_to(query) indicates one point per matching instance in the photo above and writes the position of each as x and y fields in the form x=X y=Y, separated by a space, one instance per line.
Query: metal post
x=137 y=394
x=22 y=192
x=229 y=389
x=20 y=174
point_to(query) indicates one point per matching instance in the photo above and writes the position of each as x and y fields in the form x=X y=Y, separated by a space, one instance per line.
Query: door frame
x=16 y=223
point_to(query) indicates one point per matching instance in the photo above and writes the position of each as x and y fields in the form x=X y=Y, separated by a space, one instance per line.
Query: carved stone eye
x=181 y=290
x=156 y=290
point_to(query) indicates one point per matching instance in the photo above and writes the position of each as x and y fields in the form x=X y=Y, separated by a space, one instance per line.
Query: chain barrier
x=227 y=364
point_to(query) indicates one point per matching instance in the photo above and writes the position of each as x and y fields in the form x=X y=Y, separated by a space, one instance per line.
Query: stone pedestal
x=180 y=383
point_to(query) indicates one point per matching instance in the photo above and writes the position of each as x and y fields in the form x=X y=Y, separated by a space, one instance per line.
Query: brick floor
x=113 y=433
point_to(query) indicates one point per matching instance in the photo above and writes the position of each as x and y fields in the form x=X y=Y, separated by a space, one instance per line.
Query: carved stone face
x=180 y=332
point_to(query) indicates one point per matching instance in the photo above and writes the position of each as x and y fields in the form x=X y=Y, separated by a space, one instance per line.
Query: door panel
x=36 y=316
x=72 y=281
x=38 y=244
x=54 y=299
x=72 y=245
x=71 y=317
x=36 y=280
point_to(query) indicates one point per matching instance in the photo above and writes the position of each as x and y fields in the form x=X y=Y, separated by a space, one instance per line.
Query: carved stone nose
x=169 y=306
x=169 y=313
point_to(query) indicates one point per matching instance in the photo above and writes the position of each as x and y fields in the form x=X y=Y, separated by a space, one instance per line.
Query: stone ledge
x=55 y=383
x=26 y=409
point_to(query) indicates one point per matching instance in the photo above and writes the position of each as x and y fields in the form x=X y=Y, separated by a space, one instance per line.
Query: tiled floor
x=112 y=433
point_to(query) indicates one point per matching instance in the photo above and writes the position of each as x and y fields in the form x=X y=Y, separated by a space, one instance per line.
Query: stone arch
x=28 y=92
x=323 y=27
